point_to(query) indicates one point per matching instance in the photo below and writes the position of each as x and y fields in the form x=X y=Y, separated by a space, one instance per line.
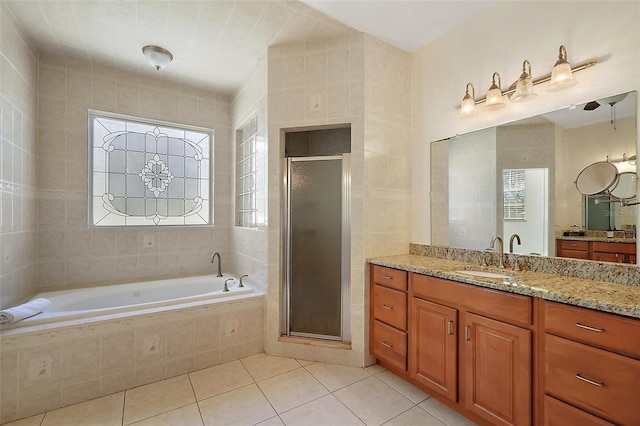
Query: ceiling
x=217 y=43
x=408 y=25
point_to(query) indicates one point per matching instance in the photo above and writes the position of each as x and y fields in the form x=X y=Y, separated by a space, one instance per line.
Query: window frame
x=93 y=114
x=514 y=207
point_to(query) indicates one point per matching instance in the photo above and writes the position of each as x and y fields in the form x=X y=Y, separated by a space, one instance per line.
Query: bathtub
x=98 y=341
x=133 y=297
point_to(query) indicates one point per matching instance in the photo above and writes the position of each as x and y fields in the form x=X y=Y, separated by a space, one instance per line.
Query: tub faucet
x=241 y=283
x=226 y=286
x=219 y=267
x=500 y=250
x=517 y=237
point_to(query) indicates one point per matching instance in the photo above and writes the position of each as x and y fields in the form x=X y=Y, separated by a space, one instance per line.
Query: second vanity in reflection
x=621 y=250
x=500 y=357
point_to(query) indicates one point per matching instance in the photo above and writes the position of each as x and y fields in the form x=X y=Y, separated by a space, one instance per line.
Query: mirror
x=523 y=177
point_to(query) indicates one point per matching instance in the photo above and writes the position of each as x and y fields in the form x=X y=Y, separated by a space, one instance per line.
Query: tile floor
x=262 y=390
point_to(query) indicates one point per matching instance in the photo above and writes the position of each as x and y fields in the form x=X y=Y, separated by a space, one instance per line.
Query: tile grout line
x=124 y=402
x=262 y=392
x=195 y=397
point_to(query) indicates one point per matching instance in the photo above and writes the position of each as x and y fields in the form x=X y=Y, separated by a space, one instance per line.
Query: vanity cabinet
x=591 y=366
x=597 y=250
x=613 y=252
x=472 y=345
x=573 y=249
x=388 y=339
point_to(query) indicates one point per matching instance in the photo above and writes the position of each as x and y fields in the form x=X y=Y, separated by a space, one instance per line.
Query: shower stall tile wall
x=48 y=368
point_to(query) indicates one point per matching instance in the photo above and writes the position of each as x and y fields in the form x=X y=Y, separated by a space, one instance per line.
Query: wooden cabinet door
x=433 y=346
x=608 y=257
x=497 y=369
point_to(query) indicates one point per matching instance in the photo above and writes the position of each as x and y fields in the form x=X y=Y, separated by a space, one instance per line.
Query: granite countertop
x=599 y=239
x=623 y=299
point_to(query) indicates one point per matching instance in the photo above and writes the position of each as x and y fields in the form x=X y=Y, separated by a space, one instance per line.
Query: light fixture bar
x=543 y=79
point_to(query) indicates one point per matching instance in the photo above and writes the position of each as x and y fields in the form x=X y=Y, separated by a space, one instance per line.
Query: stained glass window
x=145 y=172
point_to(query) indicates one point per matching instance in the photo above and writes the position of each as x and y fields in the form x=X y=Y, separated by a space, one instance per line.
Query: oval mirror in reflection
x=626 y=186
x=597 y=178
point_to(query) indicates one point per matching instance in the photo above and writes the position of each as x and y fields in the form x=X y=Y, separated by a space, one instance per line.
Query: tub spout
x=216 y=254
x=226 y=286
x=241 y=283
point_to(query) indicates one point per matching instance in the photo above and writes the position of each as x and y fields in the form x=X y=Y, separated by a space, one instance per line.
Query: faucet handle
x=241 y=284
x=226 y=287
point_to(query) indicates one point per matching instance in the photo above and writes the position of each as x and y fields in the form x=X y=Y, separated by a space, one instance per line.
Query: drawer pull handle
x=591 y=382
x=450 y=327
x=466 y=333
x=386 y=344
x=386 y=277
x=574 y=245
x=387 y=307
x=586 y=327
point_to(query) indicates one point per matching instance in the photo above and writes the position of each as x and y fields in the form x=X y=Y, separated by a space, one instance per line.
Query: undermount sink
x=484 y=274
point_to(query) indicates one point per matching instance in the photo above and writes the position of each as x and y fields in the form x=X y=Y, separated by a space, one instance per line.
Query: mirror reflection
x=524 y=178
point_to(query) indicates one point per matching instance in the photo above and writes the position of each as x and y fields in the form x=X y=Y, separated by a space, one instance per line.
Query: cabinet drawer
x=627 y=248
x=390 y=277
x=492 y=303
x=557 y=413
x=574 y=245
x=595 y=380
x=390 y=345
x=574 y=254
x=600 y=329
x=390 y=306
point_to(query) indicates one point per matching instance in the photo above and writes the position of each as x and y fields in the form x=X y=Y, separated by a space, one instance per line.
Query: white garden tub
x=112 y=299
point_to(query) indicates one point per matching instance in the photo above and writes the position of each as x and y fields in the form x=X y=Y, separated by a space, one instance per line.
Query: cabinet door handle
x=387 y=307
x=466 y=333
x=586 y=327
x=450 y=327
x=386 y=277
x=386 y=344
x=591 y=382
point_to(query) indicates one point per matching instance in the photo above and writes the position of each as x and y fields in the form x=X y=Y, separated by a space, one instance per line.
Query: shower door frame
x=345 y=268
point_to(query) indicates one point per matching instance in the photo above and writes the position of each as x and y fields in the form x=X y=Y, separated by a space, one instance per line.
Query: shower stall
x=317 y=235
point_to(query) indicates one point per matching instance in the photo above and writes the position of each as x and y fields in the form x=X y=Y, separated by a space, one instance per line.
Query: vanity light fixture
x=468 y=104
x=524 y=86
x=494 y=95
x=561 y=76
x=157 y=56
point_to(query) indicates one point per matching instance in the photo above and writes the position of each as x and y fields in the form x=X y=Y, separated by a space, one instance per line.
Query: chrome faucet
x=219 y=267
x=500 y=250
x=241 y=283
x=517 y=237
x=226 y=285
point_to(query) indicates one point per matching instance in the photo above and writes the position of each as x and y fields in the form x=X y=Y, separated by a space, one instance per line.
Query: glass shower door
x=315 y=245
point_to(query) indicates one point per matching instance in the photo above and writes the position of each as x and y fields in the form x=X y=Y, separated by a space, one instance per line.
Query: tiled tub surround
x=598 y=292
x=87 y=358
